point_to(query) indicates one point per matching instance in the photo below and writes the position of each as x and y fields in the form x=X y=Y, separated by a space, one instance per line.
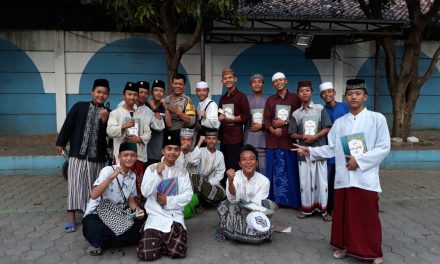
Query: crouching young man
x=167 y=188
x=246 y=189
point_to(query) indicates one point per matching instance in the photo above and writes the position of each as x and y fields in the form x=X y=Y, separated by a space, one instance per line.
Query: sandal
x=219 y=236
x=301 y=215
x=340 y=254
x=94 y=250
x=69 y=227
x=326 y=217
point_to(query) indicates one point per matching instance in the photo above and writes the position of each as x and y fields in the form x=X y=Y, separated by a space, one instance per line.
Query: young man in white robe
x=243 y=187
x=356 y=227
x=210 y=170
x=168 y=190
x=207 y=110
x=125 y=124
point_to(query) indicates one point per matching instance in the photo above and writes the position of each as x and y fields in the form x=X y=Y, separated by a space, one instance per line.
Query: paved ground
x=32 y=216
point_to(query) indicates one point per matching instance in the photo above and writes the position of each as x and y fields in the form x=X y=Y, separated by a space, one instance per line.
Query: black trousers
x=94 y=230
x=231 y=152
x=331 y=187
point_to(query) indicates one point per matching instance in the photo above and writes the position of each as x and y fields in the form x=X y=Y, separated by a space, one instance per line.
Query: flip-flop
x=327 y=218
x=220 y=237
x=301 y=215
x=339 y=254
x=69 y=227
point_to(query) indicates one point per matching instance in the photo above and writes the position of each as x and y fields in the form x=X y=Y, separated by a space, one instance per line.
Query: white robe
x=114 y=130
x=211 y=120
x=377 y=139
x=210 y=166
x=156 y=124
x=162 y=218
x=254 y=190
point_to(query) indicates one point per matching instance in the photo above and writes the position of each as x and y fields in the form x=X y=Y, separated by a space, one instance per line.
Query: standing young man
x=125 y=124
x=335 y=110
x=359 y=140
x=254 y=132
x=282 y=164
x=309 y=125
x=179 y=108
x=233 y=115
x=154 y=147
x=85 y=129
x=207 y=113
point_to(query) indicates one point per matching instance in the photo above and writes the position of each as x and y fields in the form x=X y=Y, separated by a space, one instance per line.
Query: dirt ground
x=45 y=144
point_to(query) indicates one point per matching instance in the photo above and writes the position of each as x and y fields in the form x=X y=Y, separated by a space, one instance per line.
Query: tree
x=166 y=19
x=405 y=84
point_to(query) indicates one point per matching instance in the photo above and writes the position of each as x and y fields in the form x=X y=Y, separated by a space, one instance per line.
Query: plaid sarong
x=154 y=243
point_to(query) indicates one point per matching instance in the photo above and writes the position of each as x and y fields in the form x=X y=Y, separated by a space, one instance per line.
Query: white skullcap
x=325 y=86
x=202 y=85
x=258 y=221
x=186 y=132
x=278 y=75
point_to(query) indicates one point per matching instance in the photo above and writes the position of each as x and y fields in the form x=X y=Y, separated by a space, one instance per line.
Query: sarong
x=356 y=225
x=314 y=186
x=282 y=172
x=211 y=194
x=154 y=243
x=262 y=160
x=232 y=218
x=80 y=178
x=139 y=169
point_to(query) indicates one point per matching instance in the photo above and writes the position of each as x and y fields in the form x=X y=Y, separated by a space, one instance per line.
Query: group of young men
x=275 y=150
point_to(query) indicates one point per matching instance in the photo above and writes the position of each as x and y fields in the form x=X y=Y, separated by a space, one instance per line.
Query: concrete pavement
x=32 y=211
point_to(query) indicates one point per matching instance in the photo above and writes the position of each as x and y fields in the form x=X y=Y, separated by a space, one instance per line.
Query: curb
x=51 y=165
x=31 y=165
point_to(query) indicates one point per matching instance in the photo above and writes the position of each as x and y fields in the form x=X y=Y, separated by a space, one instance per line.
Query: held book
x=354 y=144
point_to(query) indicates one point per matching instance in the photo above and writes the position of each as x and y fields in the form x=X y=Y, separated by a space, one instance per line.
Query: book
x=227 y=110
x=354 y=144
x=134 y=130
x=310 y=125
x=257 y=115
x=168 y=187
x=282 y=111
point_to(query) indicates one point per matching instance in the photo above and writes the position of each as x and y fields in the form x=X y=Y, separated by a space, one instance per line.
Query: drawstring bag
x=114 y=217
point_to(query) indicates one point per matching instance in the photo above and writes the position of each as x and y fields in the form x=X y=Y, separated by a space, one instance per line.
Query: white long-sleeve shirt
x=374 y=127
x=254 y=190
x=156 y=124
x=210 y=166
x=162 y=218
x=120 y=116
x=211 y=120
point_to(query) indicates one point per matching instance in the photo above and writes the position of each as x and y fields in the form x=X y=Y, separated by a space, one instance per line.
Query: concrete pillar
x=60 y=78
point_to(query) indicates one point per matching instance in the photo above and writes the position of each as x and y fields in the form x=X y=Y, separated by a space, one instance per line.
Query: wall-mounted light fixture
x=303 y=40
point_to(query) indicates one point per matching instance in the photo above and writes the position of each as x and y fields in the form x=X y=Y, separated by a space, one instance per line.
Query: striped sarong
x=80 y=176
x=262 y=160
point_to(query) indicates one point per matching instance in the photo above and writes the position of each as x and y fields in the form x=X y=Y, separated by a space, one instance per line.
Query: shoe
x=382 y=262
x=94 y=250
x=339 y=254
x=69 y=227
